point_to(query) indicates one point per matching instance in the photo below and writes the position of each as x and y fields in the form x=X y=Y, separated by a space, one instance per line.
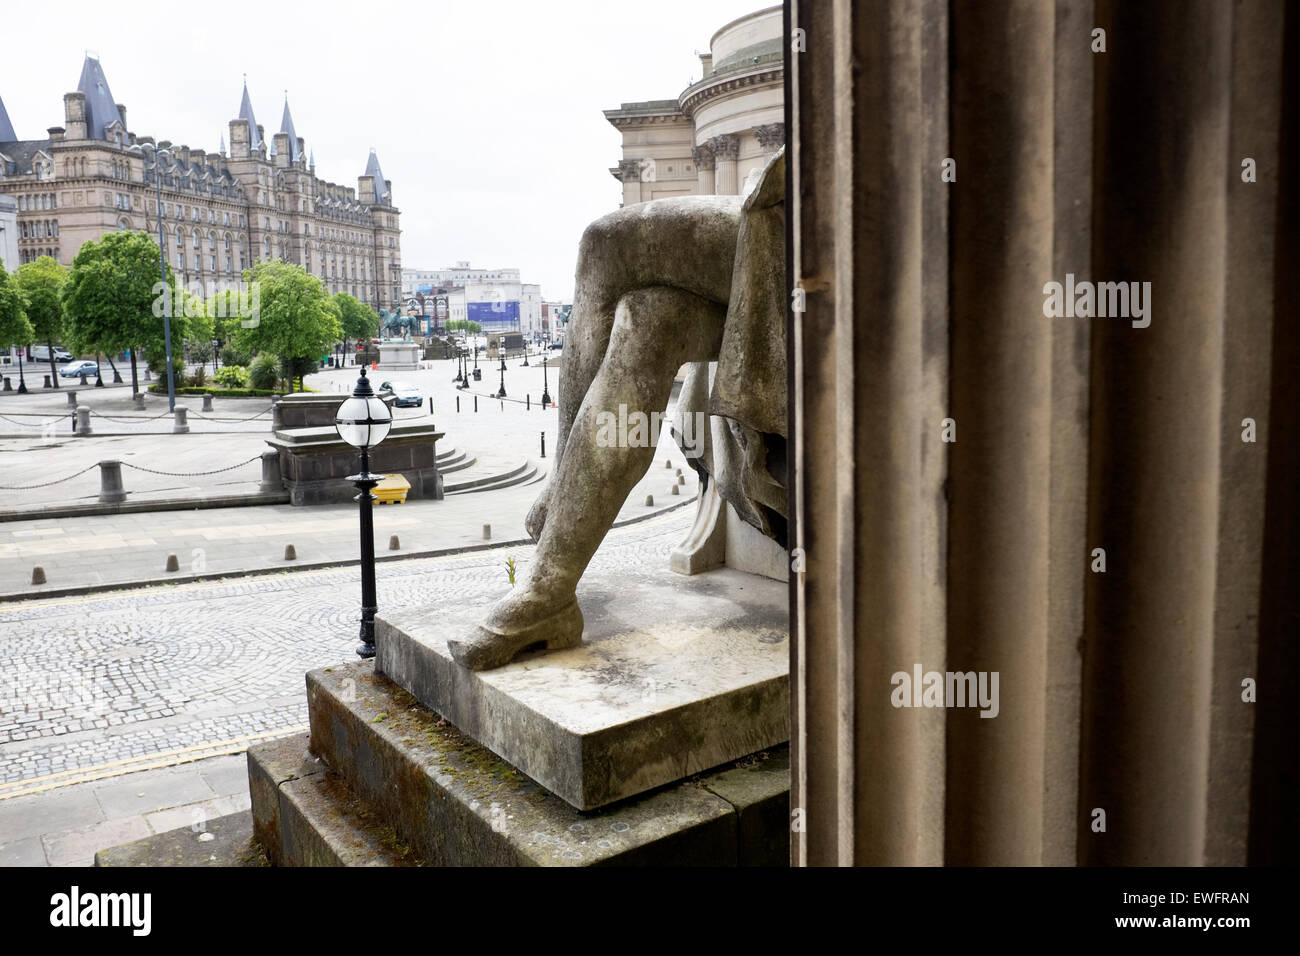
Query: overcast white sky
x=486 y=115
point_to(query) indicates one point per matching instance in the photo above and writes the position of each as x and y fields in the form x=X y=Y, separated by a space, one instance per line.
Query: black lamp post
x=22 y=382
x=502 y=393
x=363 y=420
x=546 y=389
x=460 y=365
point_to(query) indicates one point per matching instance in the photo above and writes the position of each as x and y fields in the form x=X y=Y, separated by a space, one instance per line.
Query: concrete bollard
x=394 y=544
x=487 y=532
x=38 y=575
x=180 y=424
x=82 y=377
x=110 y=482
x=675 y=490
x=207 y=403
x=147 y=377
x=47 y=382
x=72 y=399
x=172 y=563
x=271 y=479
x=668 y=463
x=681 y=479
x=8 y=385
x=83 y=421
x=290 y=553
x=679 y=472
x=137 y=400
x=649 y=501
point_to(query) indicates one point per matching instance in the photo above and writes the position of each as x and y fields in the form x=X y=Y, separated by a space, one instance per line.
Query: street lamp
x=162 y=269
x=546 y=390
x=22 y=382
x=502 y=393
x=363 y=420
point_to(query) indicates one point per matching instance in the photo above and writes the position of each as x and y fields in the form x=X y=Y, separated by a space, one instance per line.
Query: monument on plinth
x=583 y=718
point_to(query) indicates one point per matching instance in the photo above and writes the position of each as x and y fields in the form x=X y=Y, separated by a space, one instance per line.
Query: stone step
x=304 y=815
x=488 y=482
x=526 y=477
x=454 y=803
x=224 y=841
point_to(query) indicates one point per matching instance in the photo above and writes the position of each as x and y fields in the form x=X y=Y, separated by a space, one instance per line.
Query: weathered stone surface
x=229 y=843
x=270 y=765
x=457 y=804
x=675 y=675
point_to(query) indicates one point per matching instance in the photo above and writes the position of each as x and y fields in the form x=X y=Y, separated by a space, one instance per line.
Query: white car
x=85 y=367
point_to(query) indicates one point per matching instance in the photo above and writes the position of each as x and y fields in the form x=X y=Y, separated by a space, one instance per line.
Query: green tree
x=114 y=301
x=297 y=321
x=15 y=329
x=358 y=319
x=39 y=285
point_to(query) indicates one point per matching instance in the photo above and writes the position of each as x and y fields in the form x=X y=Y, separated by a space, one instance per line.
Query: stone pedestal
x=399 y=356
x=675 y=675
x=383 y=781
x=309 y=410
x=315 y=462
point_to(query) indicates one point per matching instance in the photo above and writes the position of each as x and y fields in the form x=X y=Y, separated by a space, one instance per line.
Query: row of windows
x=35 y=201
x=40 y=229
x=31 y=255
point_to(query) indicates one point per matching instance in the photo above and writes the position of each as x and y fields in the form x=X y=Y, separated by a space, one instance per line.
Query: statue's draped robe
x=744 y=395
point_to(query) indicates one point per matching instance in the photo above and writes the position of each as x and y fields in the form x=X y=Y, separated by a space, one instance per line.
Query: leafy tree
x=298 y=320
x=40 y=284
x=358 y=319
x=15 y=329
x=113 y=301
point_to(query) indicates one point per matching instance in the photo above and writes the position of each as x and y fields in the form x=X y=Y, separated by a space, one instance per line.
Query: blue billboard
x=494 y=316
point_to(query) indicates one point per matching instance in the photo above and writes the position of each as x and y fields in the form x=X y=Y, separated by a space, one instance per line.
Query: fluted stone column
x=703 y=158
x=770 y=136
x=1100 y=510
x=726 y=150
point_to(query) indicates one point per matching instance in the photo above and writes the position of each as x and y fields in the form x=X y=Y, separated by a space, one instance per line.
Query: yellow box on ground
x=392 y=490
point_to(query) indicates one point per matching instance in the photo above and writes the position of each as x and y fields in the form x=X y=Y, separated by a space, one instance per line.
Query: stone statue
x=692 y=279
x=390 y=322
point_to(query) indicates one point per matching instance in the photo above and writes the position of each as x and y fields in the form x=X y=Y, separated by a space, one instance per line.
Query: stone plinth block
x=424 y=788
x=675 y=675
x=315 y=463
x=399 y=356
x=310 y=410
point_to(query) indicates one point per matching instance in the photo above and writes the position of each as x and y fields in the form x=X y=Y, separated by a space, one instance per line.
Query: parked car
x=555 y=346
x=84 y=367
x=404 y=394
x=41 y=353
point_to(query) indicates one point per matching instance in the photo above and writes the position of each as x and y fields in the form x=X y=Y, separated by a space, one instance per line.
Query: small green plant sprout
x=510 y=570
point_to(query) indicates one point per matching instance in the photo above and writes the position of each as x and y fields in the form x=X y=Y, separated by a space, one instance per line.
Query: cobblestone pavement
x=99 y=685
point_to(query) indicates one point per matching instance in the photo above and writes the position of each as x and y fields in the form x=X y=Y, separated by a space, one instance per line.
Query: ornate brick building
x=222 y=212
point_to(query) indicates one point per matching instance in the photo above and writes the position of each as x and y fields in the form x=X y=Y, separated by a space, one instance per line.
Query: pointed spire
x=7 y=134
x=372 y=169
x=286 y=126
x=311 y=160
x=223 y=145
x=246 y=113
x=101 y=108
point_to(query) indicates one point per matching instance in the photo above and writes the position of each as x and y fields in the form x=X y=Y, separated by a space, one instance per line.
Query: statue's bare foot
x=536 y=519
x=520 y=621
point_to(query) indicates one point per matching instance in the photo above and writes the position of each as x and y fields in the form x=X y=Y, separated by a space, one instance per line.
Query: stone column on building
x=726 y=150
x=1078 y=505
x=629 y=174
x=702 y=156
x=770 y=136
